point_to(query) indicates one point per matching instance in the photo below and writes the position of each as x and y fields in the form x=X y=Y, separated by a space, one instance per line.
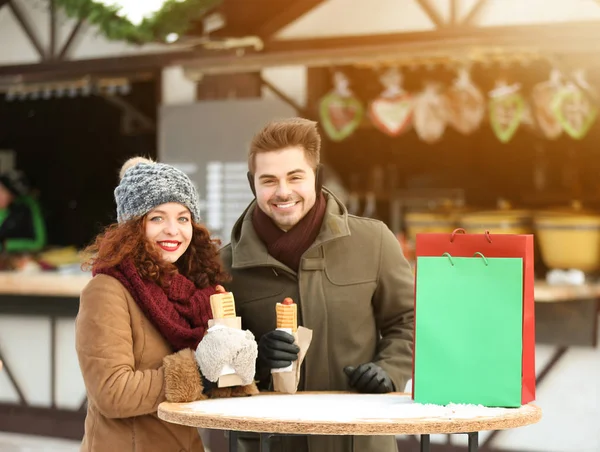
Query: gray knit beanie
x=146 y=184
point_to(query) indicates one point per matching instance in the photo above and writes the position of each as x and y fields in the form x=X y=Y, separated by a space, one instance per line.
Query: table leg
x=426 y=443
x=473 y=442
x=233 y=441
x=265 y=440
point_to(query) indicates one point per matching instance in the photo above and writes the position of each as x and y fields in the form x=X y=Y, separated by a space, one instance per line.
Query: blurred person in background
x=22 y=226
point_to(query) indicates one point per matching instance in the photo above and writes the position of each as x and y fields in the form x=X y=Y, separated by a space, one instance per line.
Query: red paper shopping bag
x=461 y=244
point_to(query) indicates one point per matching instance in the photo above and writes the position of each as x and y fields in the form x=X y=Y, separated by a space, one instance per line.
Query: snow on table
x=338 y=408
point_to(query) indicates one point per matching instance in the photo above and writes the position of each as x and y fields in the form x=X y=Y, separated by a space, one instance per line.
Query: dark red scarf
x=180 y=314
x=288 y=247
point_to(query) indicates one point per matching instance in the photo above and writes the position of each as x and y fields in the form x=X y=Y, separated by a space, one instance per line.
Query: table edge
x=527 y=415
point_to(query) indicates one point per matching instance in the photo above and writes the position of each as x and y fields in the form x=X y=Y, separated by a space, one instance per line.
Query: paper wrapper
x=228 y=377
x=287 y=381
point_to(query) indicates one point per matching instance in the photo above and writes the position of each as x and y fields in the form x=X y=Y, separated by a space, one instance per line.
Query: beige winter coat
x=121 y=358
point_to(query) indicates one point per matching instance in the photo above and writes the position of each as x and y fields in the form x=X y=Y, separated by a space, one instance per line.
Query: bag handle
x=456 y=231
x=485 y=261
x=462 y=231
x=449 y=256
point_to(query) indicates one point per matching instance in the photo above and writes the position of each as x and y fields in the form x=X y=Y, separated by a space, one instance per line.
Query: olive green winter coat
x=354 y=285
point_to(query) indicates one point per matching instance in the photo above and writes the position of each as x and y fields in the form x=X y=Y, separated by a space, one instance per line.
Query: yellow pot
x=497 y=222
x=569 y=240
x=422 y=222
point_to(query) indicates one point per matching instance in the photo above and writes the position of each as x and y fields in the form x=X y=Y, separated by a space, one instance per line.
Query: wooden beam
x=49 y=70
x=454 y=12
x=569 y=34
x=42 y=421
x=561 y=38
x=53 y=30
x=129 y=109
x=13 y=380
x=472 y=14
x=573 y=38
x=26 y=27
x=289 y=14
x=285 y=98
x=431 y=12
x=62 y=55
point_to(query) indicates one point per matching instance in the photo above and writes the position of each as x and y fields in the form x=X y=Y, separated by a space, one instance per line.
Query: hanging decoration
x=573 y=108
x=466 y=104
x=507 y=108
x=138 y=21
x=392 y=111
x=340 y=111
x=546 y=109
x=542 y=97
x=430 y=113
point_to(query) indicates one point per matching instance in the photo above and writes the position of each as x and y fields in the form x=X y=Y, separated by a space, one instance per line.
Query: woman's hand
x=183 y=381
x=220 y=289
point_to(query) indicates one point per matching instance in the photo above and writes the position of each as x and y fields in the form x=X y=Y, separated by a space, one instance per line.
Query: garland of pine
x=175 y=16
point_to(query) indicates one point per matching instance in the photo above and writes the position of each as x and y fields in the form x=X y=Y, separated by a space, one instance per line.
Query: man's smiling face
x=285 y=185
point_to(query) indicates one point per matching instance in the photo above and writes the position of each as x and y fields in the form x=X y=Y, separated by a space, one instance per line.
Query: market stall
x=436 y=115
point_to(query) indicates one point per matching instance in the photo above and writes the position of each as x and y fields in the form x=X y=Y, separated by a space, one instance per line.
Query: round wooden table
x=330 y=413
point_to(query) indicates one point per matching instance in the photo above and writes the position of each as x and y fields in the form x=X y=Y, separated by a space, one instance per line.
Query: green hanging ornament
x=574 y=111
x=507 y=108
x=340 y=111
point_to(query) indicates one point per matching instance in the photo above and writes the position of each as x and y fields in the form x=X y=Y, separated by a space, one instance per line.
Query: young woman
x=144 y=312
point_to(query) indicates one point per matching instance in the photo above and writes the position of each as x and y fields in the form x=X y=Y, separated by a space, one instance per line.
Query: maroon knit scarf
x=180 y=314
x=288 y=247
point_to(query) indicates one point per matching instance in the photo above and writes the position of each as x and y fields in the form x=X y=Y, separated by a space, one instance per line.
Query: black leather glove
x=369 y=378
x=276 y=350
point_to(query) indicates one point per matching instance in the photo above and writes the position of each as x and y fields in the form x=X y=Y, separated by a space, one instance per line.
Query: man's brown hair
x=285 y=133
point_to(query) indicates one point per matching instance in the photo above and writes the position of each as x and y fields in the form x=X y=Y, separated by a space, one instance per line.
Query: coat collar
x=249 y=251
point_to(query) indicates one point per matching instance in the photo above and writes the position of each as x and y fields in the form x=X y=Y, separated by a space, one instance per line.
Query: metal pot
x=569 y=238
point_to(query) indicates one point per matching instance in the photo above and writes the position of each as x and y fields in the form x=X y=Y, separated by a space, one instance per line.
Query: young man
x=352 y=284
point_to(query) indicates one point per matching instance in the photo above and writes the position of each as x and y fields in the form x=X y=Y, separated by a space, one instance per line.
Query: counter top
x=49 y=284
x=53 y=284
x=547 y=293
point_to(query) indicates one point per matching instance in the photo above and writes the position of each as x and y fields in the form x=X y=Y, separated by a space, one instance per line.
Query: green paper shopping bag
x=468 y=330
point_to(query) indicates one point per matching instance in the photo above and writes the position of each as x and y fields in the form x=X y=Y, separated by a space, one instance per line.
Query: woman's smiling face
x=169 y=227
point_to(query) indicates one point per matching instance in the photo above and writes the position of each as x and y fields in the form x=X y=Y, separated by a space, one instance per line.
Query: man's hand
x=369 y=378
x=276 y=350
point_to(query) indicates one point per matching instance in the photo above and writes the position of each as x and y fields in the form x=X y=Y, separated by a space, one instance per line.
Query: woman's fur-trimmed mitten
x=183 y=382
x=222 y=347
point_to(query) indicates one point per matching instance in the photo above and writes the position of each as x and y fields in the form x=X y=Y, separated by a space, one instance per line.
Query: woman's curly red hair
x=200 y=263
